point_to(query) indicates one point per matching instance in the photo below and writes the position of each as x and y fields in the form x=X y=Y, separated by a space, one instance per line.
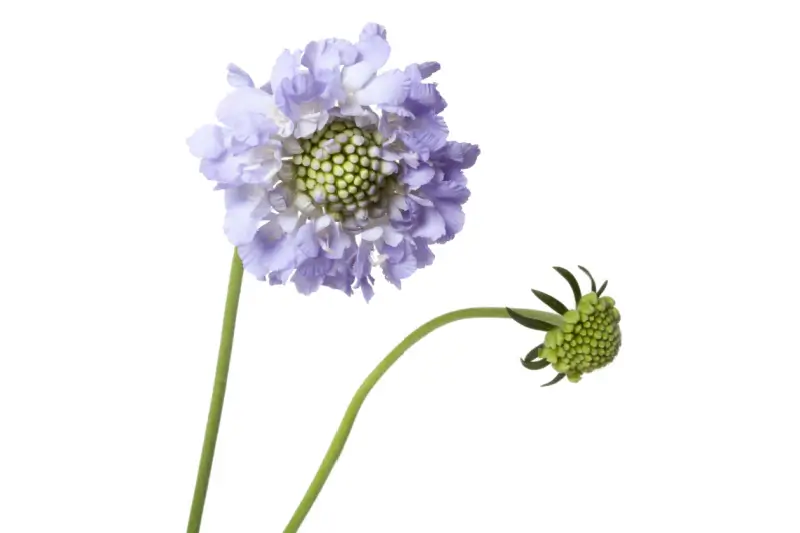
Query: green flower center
x=590 y=339
x=342 y=172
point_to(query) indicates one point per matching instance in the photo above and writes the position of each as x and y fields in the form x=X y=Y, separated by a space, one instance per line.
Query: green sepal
x=602 y=288
x=531 y=323
x=573 y=283
x=551 y=302
x=586 y=271
x=533 y=354
x=529 y=363
x=555 y=380
x=536 y=365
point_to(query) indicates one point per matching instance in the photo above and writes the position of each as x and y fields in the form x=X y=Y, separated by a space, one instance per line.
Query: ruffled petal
x=337 y=243
x=361 y=261
x=391 y=236
x=280 y=198
x=285 y=67
x=367 y=291
x=372 y=29
x=225 y=172
x=400 y=263
x=366 y=118
x=390 y=88
x=328 y=54
x=271 y=250
x=397 y=110
x=245 y=208
x=282 y=256
x=417 y=177
x=425 y=134
x=309 y=124
x=288 y=221
x=351 y=109
x=373 y=48
x=323 y=222
x=309 y=274
x=423 y=253
x=280 y=277
x=238 y=77
x=306 y=241
x=372 y=234
x=356 y=76
x=339 y=277
x=455 y=191
x=432 y=225
x=237 y=107
x=207 y=142
x=374 y=52
x=262 y=172
x=428 y=68
x=453 y=216
x=463 y=155
x=415 y=198
x=425 y=97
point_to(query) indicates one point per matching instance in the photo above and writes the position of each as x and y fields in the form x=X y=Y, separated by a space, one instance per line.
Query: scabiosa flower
x=588 y=339
x=332 y=168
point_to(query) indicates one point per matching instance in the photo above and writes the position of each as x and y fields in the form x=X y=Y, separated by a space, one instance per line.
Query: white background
x=654 y=142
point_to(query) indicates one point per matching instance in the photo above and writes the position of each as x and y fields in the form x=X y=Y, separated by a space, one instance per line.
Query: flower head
x=582 y=340
x=332 y=167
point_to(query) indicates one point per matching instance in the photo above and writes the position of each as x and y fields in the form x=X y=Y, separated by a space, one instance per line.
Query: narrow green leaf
x=533 y=354
x=573 y=283
x=531 y=323
x=555 y=380
x=602 y=288
x=586 y=271
x=551 y=302
x=536 y=365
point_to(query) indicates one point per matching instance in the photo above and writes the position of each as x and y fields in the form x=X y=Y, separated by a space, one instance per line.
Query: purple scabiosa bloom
x=335 y=168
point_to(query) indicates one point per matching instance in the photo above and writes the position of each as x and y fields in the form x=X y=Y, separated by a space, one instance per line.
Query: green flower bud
x=580 y=340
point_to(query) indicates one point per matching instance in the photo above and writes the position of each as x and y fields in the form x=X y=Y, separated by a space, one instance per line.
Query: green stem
x=217 y=396
x=339 y=439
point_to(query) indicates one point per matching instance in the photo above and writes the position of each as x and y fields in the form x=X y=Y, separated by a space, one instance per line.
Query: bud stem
x=340 y=438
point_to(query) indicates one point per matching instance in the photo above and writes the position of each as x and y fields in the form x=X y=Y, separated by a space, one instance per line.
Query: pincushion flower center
x=342 y=171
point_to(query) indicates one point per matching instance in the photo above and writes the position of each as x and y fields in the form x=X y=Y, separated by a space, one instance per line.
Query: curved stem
x=339 y=439
x=217 y=396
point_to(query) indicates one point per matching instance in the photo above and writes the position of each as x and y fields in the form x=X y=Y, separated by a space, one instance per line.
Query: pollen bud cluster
x=342 y=172
x=590 y=338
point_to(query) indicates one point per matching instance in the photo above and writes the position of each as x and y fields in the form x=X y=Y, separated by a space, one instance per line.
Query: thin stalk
x=217 y=396
x=340 y=438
